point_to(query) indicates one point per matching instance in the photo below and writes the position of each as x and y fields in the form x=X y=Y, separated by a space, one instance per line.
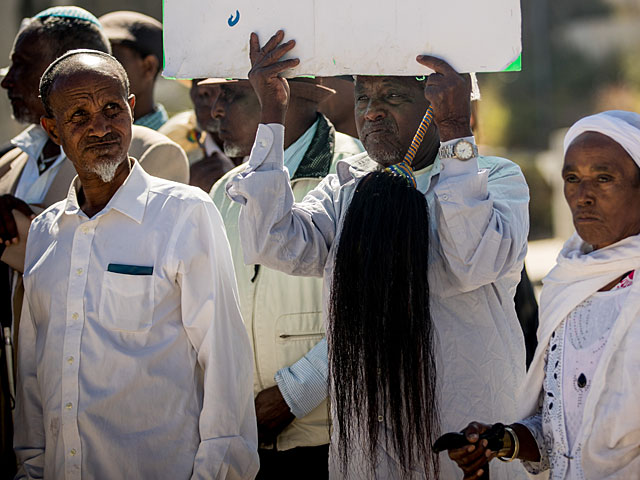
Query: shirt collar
x=31 y=140
x=130 y=199
x=155 y=119
x=294 y=154
x=360 y=165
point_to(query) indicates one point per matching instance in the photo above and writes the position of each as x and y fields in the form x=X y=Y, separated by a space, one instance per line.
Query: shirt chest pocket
x=126 y=302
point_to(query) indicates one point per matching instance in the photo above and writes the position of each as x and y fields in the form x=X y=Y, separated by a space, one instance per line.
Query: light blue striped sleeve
x=304 y=384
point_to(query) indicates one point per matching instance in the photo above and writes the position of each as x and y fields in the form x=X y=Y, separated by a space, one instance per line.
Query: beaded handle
x=404 y=167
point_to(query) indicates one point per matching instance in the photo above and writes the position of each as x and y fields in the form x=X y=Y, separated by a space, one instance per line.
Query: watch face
x=463 y=150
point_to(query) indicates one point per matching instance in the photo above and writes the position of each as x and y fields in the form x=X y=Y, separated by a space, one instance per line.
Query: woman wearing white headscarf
x=580 y=398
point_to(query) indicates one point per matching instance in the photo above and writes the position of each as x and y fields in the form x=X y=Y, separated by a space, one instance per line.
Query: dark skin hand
x=450 y=95
x=8 y=228
x=273 y=414
x=264 y=76
x=473 y=458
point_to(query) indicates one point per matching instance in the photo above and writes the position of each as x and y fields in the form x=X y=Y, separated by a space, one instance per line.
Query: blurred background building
x=579 y=57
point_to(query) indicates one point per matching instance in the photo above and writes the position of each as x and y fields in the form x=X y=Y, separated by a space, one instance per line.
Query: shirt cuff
x=268 y=148
x=452 y=167
x=267 y=154
x=534 y=425
x=304 y=384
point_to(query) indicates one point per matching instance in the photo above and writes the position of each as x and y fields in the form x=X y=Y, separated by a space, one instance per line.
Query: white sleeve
x=212 y=320
x=483 y=220
x=29 y=435
x=294 y=238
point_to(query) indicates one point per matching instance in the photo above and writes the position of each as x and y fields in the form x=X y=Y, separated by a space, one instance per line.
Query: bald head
x=77 y=62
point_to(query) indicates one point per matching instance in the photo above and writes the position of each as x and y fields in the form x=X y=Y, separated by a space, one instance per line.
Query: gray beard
x=105 y=170
x=233 y=151
x=386 y=158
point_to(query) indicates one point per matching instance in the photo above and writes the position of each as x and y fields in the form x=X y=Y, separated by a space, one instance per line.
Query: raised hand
x=266 y=67
x=450 y=94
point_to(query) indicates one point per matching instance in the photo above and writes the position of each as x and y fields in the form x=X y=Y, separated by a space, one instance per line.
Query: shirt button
x=68 y=406
x=263 y=143
x=75 y=315
x=85 y=230
x=72 y=452
x=70 y=360
x=445 y=197
x=79 y=271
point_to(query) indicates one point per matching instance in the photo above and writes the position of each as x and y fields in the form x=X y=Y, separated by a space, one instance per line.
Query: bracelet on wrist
x=508 y=432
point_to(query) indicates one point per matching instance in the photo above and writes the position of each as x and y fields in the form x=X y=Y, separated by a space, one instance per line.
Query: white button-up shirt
x=133 y=359
x=478 y=237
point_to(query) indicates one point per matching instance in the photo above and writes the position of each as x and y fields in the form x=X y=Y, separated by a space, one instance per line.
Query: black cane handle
x=455 y=440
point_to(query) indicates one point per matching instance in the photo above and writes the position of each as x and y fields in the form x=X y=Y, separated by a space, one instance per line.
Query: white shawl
x=576 y=276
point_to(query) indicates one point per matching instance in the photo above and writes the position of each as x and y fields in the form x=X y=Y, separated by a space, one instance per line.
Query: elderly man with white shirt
x=37 y=173
x=133 y=360
x=478 y=231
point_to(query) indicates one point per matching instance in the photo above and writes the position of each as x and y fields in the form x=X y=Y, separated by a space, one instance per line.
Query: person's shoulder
x=50 y=215
x=181 y=128
x=222 y=181
x=158 y=154
x=498 y=166
x=346 y=146
x=179 y=122
x=176 y=191
x=8 y=157
x=6 y=148
x=144 y=137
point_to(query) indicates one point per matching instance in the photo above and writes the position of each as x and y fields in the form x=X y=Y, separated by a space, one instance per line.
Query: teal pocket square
x=129 y=269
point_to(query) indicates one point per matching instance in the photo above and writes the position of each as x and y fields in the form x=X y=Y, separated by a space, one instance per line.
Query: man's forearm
x=304 y=385
x=482 y=216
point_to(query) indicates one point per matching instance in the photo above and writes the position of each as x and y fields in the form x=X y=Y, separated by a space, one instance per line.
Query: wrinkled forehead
x=90 y=68
x=68 y=85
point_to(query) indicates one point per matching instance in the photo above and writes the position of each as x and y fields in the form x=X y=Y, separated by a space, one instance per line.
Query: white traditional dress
x=580 y=397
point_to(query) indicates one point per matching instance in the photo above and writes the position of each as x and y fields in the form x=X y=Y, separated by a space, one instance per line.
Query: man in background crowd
x=136 y=41
x=283 y=314
x=196 y=131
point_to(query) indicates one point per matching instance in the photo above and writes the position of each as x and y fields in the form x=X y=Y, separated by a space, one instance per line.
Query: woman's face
x=602 y=188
